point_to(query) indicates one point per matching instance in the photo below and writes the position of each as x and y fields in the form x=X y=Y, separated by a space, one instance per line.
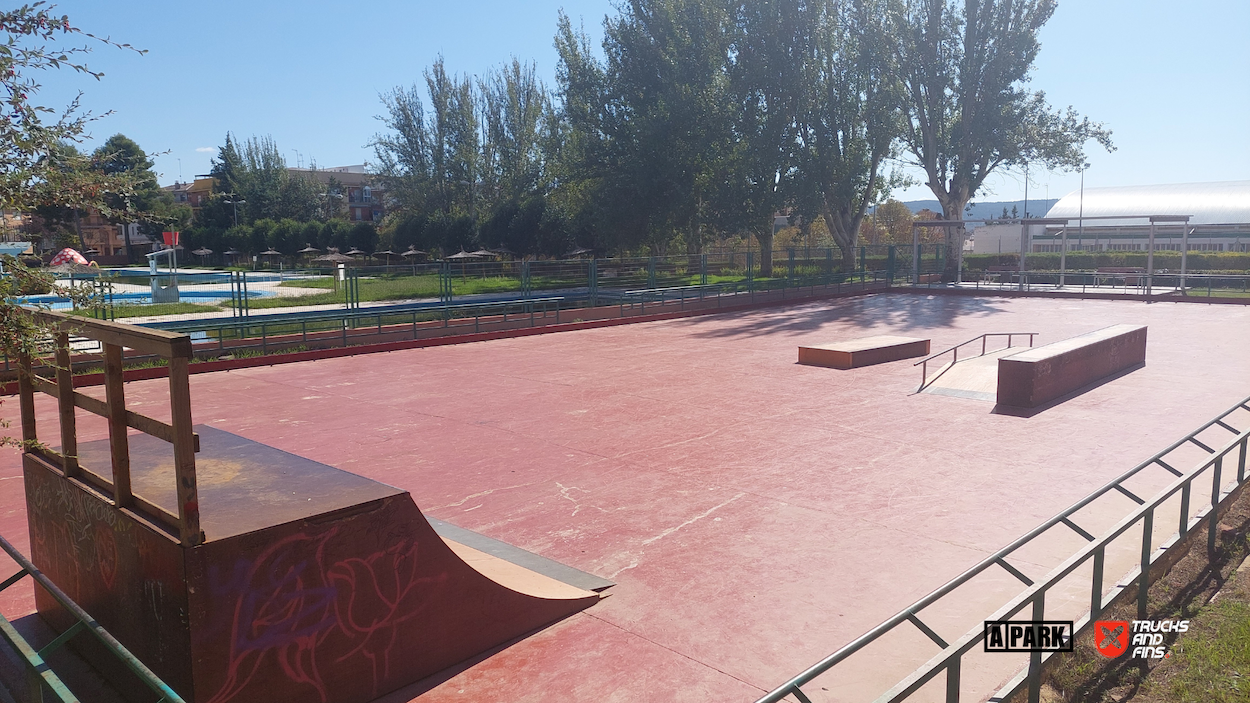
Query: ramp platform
x=865 y=351
x=1042 y=374
x=310 y=584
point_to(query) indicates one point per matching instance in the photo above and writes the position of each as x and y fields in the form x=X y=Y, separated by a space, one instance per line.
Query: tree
x=35 y=168
x=771 y=45
x=965 y=65
x=849 y=118
x=150 y=205
x=514 y=106
x=253 y=179
x=659 y=123
x=431 y=162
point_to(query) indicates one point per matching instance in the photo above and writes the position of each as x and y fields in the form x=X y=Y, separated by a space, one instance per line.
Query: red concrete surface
x=755 y=513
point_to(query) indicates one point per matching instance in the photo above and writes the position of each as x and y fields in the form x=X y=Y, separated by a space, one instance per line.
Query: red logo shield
x=1111 y=637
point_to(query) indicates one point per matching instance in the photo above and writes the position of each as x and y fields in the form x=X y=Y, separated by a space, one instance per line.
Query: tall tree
x=253 y=179
x=773 y=41
x=849 y=117
x=668 y=94
x=431 y=162
x=514 y=106
x=147 y=204
x=965 y=66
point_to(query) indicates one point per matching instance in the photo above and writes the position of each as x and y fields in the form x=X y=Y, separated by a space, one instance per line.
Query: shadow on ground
x=896 y=311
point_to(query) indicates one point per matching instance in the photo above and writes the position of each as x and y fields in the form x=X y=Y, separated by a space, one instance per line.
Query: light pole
x=236 y=203
x=1080 y=217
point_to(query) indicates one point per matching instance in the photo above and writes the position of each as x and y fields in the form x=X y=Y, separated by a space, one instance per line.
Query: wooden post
x=119 y=445
x=26 y=388
x=65 y=404
x=184 y=451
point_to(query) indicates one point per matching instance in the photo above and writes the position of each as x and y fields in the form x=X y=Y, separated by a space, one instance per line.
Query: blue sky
x=1172 y=80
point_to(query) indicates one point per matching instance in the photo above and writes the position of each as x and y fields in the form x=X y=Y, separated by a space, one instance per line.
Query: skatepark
x=744 y=515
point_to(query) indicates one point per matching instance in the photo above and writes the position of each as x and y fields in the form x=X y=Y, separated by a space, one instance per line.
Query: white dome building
x=1117 y=218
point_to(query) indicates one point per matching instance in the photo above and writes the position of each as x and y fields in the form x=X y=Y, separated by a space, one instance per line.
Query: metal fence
x=1204 y=285
x=190 y=294
x=1178 y=495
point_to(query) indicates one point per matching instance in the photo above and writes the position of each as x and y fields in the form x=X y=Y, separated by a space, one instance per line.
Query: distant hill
x=989 y=210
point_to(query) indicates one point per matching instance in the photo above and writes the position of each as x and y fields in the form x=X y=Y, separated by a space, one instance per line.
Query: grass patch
x=1213 y=658
x=1217 y=293
x=384 y=288
x=1208 y=664
x=137 y=310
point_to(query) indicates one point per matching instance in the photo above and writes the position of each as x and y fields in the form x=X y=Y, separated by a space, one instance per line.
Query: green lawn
x=134 y=310
x=401 y=288
x=1214 y=657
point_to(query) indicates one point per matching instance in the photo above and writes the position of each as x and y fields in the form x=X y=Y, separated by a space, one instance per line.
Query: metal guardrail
x=39 y=674
x=260 y=332
x=277 y=331
x=924 y=363
x=949 y=659
x=1158 y=284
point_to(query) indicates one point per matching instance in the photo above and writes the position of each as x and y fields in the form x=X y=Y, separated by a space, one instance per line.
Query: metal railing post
x=1143 y=584
x=1213 y=522
x=1035 y=658
x=1095 y=596
x=952 y=680
x=1241 y=461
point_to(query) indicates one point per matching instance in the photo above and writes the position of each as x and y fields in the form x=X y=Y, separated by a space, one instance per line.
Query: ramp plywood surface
x=314 y=584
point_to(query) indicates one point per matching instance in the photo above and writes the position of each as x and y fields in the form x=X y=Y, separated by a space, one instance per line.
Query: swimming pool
x=56 y=302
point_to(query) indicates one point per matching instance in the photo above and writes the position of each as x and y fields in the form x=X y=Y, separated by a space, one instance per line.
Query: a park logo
x=1028 y=635
x=1111 y=637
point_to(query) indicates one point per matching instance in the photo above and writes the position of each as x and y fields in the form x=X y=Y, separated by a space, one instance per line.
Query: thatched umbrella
x=202 y=252
x=308 y=251
x=387 y=254
x=335 y=258
x=355 y=252
x=413 y=251
x=462 y=257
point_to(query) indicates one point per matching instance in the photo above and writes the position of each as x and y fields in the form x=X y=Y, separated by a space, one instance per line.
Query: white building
x=1117 y=219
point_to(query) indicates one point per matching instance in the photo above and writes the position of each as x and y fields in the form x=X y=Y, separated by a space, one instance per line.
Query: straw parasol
x=413 y=251
x=387 y=254
x=355 y=252
x=464 y=255
x=335 y=258
x=309 y=249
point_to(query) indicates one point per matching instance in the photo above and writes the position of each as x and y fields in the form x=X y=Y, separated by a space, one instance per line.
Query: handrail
x=114 y=338
x=924 y=363
x=998 y=558
x=1035 y=594
x=41 y=674
x=342 y=314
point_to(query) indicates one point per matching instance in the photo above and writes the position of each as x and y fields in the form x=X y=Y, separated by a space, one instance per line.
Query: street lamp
x=236 y=202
